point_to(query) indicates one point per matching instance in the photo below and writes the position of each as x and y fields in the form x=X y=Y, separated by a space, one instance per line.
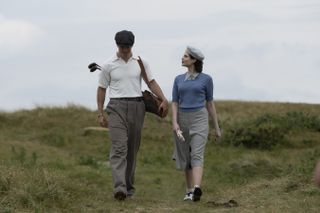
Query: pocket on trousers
x=110 y=106
x=112 y=103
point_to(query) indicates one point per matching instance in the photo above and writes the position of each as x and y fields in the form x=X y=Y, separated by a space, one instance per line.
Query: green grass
x=49 y=164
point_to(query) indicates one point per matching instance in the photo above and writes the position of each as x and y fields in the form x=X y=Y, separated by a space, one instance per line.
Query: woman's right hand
x=103 y=120
x=177 y=130
x=175 y=127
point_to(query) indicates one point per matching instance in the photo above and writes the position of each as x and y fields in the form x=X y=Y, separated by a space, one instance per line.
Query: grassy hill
x=265 y=162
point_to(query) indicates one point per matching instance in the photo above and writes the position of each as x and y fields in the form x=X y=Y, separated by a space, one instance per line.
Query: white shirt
x=123 y=79
x=190 y=76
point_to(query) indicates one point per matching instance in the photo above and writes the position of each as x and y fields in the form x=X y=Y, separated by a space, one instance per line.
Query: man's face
x=124 y=49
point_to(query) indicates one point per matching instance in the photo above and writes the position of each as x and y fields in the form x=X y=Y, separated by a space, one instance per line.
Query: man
x=125 y=110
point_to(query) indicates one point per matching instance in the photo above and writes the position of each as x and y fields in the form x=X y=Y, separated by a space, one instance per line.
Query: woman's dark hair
x=198 y=65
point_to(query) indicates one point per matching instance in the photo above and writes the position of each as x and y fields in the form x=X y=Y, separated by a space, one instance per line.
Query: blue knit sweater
x=192 y=94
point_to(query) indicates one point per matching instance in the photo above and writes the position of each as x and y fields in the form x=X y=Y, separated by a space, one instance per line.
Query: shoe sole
x=197 y=194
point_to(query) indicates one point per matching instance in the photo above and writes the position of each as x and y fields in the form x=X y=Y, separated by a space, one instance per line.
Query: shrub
x=269 y=130
x=260 y=133
x=300 y=120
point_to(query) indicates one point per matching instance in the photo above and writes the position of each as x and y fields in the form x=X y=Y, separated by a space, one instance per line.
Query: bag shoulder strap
x=143 y=71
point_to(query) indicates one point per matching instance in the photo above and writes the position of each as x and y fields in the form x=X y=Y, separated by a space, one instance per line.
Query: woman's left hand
x=217 y=134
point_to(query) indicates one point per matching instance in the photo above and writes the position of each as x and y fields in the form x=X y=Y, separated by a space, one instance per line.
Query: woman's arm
x=175 y=124
x=213 y=114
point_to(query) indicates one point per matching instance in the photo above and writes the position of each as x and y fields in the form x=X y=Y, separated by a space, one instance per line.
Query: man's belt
x=128 y=99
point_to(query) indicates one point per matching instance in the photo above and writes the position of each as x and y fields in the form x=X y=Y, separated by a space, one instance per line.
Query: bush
x=301 y=120
x=252 y=135
x=269 y=130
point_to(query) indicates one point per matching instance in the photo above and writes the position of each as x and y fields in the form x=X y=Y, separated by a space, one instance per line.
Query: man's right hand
x=103 y=120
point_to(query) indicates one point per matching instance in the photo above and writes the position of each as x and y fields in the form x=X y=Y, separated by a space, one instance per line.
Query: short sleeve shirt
x=123 y=78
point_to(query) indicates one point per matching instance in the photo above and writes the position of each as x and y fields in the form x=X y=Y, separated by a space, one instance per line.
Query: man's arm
x=155 y=88
x=153 y=85
x=101 y=94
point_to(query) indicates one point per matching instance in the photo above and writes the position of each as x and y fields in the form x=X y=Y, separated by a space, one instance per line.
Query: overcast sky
x=255 y=50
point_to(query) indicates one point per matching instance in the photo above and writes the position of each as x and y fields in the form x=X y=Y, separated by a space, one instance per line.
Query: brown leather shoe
x=120 y=196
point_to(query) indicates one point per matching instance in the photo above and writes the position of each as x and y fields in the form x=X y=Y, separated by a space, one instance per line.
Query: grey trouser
x=195 y=128
x=125 y=124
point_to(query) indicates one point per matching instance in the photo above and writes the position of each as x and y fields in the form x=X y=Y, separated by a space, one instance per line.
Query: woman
x=192 y=99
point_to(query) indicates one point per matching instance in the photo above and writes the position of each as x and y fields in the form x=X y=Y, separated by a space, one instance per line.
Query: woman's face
x=187 y=61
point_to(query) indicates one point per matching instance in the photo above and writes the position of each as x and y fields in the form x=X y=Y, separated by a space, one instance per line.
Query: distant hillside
x=51 y=162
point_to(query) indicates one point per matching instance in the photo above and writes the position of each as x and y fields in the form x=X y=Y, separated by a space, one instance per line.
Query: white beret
x=196 y=53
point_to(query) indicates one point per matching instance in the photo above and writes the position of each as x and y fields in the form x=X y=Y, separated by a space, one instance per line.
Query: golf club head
x=93 y=67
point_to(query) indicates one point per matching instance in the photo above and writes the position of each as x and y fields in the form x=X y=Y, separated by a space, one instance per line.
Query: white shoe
x=188 y=197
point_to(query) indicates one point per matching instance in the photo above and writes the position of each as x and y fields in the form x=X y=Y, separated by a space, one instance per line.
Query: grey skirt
x=195 y=130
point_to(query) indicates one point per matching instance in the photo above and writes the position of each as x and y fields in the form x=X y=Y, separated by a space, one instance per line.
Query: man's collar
x=135 y=57
x=116 y=57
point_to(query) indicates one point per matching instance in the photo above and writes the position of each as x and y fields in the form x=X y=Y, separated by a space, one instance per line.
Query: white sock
x=189 y=190
x=196 y=186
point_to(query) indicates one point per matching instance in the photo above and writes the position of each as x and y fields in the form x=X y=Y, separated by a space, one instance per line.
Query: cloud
x=16 y=35
x=255 y=50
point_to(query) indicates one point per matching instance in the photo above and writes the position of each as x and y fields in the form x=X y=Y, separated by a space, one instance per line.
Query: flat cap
x=196 y=53
x=124 y=38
